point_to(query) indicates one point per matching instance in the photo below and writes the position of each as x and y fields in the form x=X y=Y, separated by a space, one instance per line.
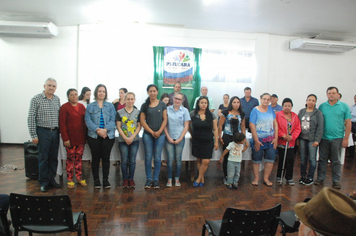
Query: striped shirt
x=102 y=124
x=43 y=112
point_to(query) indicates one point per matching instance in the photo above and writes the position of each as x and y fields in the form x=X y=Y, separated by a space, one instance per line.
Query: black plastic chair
x=45 y=214
x=4 y=223
x=245 y=222
x=289 y=221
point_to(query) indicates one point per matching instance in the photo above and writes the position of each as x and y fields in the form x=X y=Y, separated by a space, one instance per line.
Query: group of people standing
x=165 y=125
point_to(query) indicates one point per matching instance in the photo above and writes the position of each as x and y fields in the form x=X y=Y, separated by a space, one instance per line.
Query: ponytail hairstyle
x=312 y=95
x=123 y=89
x=147 y=101
x=84 y=90
x=208 y=115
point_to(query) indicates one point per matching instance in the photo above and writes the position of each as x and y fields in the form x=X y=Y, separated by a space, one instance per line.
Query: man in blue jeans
x=43 y=126
x=337 y=128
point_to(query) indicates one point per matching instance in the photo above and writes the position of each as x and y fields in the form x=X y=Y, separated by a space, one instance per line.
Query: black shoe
x=308 y=182
x=106 y=183
x=302 y=180
x=97 y=183
x=336 y=185
x=318 y=181
x=44 y=188
x=54 y=184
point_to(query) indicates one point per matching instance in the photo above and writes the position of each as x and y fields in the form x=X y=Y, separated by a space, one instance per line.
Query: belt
x=51 y=129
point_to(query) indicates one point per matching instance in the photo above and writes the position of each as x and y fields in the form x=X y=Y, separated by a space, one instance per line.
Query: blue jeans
x=128 y=158
x=233 y=172
x=307 y=151
x=174 y=151
x=48 y=143
x=332 y=147
x=153 y=147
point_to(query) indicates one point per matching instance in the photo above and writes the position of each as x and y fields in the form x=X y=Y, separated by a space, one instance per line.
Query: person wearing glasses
x=264 y=129
x=177 y=127
x=177 y=88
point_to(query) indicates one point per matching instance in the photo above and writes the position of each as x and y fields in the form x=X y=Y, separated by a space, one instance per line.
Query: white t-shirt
x=235 y=151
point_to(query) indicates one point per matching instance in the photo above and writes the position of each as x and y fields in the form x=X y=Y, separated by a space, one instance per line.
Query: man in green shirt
x=337 y=128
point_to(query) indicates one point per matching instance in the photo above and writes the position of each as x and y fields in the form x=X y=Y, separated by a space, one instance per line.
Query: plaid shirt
x=43 y=112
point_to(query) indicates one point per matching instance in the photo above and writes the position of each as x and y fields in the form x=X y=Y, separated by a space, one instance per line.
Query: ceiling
x=323 y=19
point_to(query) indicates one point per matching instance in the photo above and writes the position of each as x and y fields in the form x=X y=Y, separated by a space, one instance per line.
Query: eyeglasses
x=179 y=99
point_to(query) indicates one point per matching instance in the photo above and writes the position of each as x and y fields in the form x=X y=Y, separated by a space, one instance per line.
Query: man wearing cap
x=328 y=213
x=43 y=126
x=276 y=108
x=337 y=128
x=248 y=103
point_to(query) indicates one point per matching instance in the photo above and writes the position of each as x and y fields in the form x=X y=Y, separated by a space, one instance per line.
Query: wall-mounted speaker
x=31 y=160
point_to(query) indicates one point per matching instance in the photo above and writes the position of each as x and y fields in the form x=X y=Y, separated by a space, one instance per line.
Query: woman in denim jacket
x=100 y=120
x=312 y=124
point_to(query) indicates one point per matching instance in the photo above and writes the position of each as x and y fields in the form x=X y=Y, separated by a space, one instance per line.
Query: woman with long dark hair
x=84 y=97
x=153 y=119
x=204 y=132
x=100 y=120
x=231 y=120
x=312 y=125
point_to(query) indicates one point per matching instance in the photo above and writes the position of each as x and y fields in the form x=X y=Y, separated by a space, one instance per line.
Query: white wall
x=25 y=64
x=121 y=56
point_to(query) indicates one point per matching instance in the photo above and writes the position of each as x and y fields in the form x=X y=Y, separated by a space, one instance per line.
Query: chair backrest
x=40 y=211
x=248 y=222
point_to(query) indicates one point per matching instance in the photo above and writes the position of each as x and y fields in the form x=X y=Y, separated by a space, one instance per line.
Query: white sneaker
x=169 y=183
x=177 y=183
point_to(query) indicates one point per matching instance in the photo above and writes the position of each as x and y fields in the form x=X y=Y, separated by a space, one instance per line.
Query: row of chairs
x=53 y=214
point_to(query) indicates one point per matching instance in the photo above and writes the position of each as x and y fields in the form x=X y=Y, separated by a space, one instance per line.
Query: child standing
x=235 y=150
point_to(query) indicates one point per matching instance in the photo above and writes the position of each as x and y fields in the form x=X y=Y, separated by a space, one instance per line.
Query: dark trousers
x=48 y=143
x=289 y=163
x=100 y=149
x=226 y=139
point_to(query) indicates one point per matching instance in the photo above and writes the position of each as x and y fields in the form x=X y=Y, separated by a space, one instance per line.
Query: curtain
x=158 y=74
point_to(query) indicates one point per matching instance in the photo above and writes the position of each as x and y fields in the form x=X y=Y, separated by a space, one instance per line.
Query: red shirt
x=283 y=128
x=71 y=123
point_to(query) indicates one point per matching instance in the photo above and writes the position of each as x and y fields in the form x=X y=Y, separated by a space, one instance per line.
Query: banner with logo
x=178 y=66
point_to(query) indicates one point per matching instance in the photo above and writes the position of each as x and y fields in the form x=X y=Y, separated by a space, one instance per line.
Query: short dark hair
x=97 y=89
x=70 y=90
x=331 y=88
x=287 y=100
x=238 y=137
x=247 y=88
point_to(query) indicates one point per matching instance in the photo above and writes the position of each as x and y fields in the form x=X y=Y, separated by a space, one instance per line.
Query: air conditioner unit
x=321 y=45
x=28 y=29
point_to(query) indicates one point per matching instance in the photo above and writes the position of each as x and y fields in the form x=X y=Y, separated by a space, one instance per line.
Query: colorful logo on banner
x=178 y=66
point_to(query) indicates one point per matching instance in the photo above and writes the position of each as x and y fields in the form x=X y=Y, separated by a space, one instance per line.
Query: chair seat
x=215 y=226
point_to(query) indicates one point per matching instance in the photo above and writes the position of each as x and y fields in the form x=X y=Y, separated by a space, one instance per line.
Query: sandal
x=269 y=184
x=70 y=184
x=254 y=183
x=83 y=183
